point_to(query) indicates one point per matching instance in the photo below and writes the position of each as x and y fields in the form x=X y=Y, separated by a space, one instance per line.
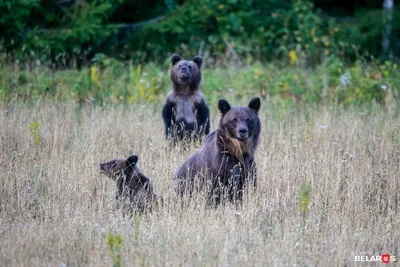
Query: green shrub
x=71 y=33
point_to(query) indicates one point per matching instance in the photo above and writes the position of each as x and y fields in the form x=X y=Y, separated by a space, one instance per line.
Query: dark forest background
x=76 y=32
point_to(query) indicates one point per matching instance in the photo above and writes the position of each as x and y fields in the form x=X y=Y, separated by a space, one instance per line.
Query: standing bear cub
x=185 y=112
x=225 y=163
x=134 y=190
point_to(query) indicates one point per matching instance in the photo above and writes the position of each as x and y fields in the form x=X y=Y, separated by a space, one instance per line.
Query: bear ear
x=175 y=59
x=223 y=106
x=198 y=60
x=255 y=104
x=132 y=161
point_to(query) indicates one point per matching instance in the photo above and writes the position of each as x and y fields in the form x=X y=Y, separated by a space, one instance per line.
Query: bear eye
x=180 y=65
x=234 y=121
x=190 y=67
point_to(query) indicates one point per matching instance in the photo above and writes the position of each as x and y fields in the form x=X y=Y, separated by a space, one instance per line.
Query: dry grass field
x=56 y=209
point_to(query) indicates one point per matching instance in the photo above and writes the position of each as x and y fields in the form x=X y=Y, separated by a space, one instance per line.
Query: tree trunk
x=388 y=17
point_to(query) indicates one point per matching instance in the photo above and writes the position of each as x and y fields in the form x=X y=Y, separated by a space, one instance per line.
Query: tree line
x=70 y=32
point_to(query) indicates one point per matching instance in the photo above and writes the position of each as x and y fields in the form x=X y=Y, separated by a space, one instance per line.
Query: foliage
x=70 y=33
x=14 y=15
x=251 y=28
x=300 y=30
x=364 y=31
x=55 y=30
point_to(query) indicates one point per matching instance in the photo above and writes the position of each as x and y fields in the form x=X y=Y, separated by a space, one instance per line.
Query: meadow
x=328 y=190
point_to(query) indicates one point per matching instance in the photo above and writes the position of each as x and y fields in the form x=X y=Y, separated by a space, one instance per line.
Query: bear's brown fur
x=226 y=160
x=134 y=190
x=185 y=112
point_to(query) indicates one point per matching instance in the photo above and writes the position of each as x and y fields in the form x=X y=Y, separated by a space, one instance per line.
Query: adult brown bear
x=135 y=191
x=225 y=163
x=185 y=112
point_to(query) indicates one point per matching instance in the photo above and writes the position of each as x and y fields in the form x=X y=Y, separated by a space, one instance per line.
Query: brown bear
x=225 y=163
x=134 y=189
x=185 y=112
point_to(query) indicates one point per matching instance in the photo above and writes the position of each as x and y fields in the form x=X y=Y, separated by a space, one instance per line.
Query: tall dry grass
x=56 y=209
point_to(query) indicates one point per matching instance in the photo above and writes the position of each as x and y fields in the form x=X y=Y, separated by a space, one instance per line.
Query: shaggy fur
x=225 y=163
x=135 y=190
x=185 y=112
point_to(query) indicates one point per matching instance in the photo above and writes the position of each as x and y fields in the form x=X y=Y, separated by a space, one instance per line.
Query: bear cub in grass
x=134 y=189
x=185 y=112
x=225 y=163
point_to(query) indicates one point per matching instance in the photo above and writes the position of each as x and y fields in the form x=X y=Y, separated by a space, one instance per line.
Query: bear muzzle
x=184 y=77
x=104 y=167
x=108 y=167
x=242 y=134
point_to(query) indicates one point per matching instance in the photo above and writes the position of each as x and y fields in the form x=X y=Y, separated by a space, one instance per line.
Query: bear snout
x=185 y=129
x=184 y=69
x=103 y=167
x=243 y=133
x=107 y=166
x=184 y=76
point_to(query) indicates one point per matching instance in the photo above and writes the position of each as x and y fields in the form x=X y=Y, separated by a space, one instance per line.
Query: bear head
x=240 y=125
x=120 y=167
x=186 y=73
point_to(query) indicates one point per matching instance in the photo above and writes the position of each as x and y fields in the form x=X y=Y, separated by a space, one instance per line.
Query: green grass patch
x=329 y=83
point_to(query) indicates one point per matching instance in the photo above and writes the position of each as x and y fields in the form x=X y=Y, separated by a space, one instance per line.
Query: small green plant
x=114 y=246
x=137 y=225
x=305 y=192
x=34 y=130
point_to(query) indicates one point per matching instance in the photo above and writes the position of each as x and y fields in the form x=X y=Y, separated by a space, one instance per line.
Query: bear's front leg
x=236 y=183
x=203 y=118
x=167 y=113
